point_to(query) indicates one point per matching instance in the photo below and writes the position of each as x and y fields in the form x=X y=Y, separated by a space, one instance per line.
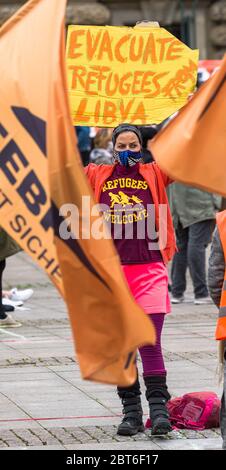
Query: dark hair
x=126 y=128
x=148 y=133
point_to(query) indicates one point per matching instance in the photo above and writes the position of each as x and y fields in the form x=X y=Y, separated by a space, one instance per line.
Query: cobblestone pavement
x=26 y=437
x=44 y=404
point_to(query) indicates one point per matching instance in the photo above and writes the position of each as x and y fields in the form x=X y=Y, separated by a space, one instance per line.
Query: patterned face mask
x=127 y=157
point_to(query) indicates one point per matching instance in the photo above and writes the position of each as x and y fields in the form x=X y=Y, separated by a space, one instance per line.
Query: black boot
x=157 y=396
x=132 y=422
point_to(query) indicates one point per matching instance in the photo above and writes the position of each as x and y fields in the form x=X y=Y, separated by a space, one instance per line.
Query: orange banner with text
x=35 y=127
x=25 y=206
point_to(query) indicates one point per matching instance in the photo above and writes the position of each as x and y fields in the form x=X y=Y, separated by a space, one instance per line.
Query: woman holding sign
x=135 y=207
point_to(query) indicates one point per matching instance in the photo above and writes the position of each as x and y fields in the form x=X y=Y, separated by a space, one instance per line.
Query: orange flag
x=107 y=324
x=191 y=148
x=26 y=44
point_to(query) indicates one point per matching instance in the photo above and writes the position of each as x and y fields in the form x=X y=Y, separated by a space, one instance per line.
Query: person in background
x=18 y=295
x=194 y=213
x=84 y=143
x=7 y=248
x=101 y=157
x=103 y=140
x=102 y=152
x=148 y=133
x=217 y=289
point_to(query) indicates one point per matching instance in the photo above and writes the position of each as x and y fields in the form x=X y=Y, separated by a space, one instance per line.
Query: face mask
x=127 y=157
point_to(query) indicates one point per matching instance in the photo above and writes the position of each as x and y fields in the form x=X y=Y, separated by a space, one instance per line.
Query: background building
x=198 y=23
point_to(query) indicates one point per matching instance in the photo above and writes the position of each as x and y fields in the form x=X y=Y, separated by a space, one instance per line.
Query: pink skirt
x=148 y=284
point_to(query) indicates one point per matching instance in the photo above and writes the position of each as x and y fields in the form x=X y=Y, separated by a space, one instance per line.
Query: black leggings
x=2 y=267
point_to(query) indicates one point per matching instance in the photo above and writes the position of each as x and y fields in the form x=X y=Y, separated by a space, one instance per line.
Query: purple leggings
x=151 y=356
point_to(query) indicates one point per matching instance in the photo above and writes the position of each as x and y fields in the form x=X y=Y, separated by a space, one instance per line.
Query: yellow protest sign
x=121 y=74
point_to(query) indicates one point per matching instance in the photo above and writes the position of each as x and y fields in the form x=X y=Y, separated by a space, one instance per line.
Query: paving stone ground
x=44 y=403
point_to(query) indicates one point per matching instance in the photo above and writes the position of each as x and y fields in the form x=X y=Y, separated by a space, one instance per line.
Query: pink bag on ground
x=197 y=410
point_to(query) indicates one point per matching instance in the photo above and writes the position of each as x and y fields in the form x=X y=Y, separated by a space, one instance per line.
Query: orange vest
x=221 y=323
x=157 y=181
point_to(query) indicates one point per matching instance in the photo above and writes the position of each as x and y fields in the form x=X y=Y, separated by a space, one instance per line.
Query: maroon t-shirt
x=131 y=221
